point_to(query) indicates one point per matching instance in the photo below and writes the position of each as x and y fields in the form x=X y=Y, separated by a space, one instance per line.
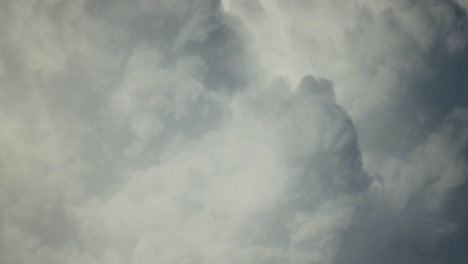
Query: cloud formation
x=247 y=131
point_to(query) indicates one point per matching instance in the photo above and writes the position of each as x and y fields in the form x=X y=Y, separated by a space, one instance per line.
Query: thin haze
x=234 y=131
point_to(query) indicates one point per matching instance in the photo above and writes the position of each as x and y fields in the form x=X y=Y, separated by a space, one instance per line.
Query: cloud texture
x=236 y=131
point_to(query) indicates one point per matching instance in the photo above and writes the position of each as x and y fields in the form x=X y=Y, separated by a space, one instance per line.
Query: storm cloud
x=234 y=131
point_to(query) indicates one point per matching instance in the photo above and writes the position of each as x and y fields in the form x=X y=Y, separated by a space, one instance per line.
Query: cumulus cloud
x=247 y=131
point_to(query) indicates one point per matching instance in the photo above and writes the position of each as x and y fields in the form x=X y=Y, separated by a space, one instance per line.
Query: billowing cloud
x=246 y=131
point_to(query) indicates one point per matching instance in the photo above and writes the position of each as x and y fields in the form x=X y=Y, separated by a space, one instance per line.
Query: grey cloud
x=427 y=94
x=411 y=222
x=379 y=50
x=411 y=54
x=321 y=88
x=192 y=28
x=338 y=153
x=197 y=131
x=318 y=143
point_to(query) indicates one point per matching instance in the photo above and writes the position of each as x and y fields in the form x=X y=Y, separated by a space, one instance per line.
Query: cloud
x=232 y=131
x=407 y=218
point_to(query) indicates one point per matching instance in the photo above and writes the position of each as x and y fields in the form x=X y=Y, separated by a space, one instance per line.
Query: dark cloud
x=423 y=226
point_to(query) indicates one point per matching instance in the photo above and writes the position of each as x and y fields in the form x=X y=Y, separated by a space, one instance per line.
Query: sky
x=233 y=131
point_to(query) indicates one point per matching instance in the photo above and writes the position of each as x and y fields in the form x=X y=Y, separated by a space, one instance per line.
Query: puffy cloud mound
x=249 y=131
